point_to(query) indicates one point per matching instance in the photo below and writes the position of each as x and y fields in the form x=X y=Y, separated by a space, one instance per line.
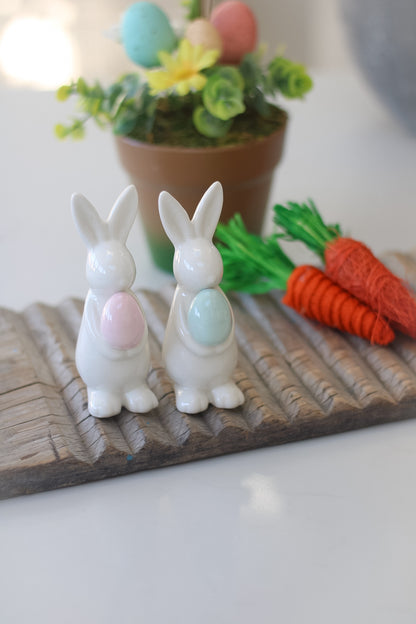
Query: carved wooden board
x=300 y=380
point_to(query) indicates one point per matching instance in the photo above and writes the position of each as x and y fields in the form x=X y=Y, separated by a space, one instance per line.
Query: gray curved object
x=382 y=36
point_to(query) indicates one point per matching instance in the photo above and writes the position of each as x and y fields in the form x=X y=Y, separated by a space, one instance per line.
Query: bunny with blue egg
x=112 y=353
x=199 y=349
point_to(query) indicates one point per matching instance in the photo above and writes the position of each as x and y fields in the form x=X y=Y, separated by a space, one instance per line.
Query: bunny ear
x=208 y=211
x=174 y=219
x=123 y=213
x=89 y=224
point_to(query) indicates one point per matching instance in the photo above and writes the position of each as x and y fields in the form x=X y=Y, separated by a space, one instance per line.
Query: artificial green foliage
x=76 y=130
x=124 y=105
x=194 y=9
x=303 y=222
x=258 y=102
x=291 y=79
x=63 y=93
x=230 y=73
x=208 y=125
x=251 y=263
x=252 y=72
x=222 y=97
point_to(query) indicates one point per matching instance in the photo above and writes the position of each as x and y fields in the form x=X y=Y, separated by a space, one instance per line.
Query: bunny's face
x=197 y=264
x=110 y=267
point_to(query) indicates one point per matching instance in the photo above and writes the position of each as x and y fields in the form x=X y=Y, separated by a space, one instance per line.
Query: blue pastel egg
x=209 y=317
x=145 y=31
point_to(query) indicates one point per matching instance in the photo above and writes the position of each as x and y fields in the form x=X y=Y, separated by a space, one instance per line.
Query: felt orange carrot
x=351 y=264
x=313 y=294
x=256 y=265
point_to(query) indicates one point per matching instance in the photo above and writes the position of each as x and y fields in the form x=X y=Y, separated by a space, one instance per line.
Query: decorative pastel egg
x=202 y=32
x=237 y=26
x=209 y=317
x=122 y=321
x=145 y=31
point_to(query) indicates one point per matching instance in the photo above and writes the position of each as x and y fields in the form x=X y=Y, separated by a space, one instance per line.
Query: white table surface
x=319 y=531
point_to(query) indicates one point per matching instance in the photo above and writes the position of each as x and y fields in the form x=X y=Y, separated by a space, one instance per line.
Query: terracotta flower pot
x=245 y=172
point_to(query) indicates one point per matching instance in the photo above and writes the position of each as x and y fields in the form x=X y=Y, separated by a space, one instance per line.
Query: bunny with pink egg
x=112 y=352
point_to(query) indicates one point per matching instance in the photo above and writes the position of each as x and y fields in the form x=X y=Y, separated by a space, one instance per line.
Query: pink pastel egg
x=237 y=26
x=122 y=321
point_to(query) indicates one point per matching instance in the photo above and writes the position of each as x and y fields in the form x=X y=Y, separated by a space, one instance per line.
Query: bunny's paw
x=103 y=404
x=227 y=396
x=191 y=400
x=140 y=400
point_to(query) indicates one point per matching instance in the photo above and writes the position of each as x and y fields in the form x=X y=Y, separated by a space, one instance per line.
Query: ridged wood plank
x=299 y=379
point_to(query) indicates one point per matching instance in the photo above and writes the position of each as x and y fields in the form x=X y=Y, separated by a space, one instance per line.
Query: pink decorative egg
x=237 y=26
x=122 y=321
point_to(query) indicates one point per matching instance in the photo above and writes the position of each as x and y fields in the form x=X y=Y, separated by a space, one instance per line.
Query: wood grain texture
x=299 y=379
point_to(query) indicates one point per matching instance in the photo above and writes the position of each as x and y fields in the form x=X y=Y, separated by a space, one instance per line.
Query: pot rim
x=198 y=150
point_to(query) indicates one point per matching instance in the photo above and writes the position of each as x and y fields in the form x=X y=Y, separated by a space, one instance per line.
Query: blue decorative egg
x=209 y=317
x=145 y=30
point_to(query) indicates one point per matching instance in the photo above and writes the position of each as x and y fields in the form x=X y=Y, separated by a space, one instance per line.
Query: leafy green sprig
x=251 y=263
x=302 y=222
x=124 y=105
x=194 y=9
x=222 y=99
x=291 y=79
x=264 y=83
x=229 y=93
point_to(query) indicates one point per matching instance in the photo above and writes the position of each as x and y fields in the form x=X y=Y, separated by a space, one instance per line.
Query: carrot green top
x=251 y=263
x=303 y=222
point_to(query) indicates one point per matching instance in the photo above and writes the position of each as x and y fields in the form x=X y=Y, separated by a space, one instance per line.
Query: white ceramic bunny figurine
x=112 y=353
x=199 y=349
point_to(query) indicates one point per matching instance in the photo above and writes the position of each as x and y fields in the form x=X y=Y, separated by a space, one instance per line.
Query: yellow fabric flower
x=181 y=71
